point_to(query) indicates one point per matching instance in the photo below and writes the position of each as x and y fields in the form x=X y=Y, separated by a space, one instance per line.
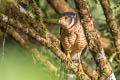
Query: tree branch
x=30 y=46
x=112 y=23
x=60 y=6
x=93 y=40
x=20 y=20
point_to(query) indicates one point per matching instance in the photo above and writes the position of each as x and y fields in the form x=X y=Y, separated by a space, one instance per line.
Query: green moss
x=106 y=72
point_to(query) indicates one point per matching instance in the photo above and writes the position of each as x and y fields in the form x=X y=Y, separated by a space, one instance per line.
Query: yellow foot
x=69 y=61
x=80 y=70
x=68 y=58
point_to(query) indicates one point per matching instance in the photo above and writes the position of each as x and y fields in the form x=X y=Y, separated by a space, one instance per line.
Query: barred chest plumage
x=74 y=41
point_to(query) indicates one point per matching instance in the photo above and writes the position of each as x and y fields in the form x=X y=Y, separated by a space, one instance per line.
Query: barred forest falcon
x=72 y=38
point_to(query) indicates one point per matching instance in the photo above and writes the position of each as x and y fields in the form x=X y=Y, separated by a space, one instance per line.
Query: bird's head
x=68 y=19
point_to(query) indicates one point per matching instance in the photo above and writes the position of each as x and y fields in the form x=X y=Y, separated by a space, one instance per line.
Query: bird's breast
x=68 y=41
x=73 y=42
x=79 y=44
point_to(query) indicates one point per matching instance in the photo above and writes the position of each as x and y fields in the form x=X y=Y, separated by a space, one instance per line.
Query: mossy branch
x=23 y=22
x=60 y=6
x=93 y=40
x=112 y=23
x=27 y=44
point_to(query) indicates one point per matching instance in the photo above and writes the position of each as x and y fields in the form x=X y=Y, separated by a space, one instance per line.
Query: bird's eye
x=66 y=17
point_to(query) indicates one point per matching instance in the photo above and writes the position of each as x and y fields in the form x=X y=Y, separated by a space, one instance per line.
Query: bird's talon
x=80 y=73
x=80 y=70
x=68 y=61
x=68 y=58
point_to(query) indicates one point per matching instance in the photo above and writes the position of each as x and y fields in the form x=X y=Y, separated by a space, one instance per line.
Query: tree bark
x=112 y=23
x=60 y=6
x=93 y=40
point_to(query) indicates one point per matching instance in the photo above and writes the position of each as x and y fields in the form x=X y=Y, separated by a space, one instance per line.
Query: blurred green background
x=18 y=63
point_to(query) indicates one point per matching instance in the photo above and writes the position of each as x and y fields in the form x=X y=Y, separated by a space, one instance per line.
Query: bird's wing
x=84 y=50
x=60 y=41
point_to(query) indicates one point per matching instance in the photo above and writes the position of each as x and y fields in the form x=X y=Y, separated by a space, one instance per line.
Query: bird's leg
x=68 y=58
x=80 y=69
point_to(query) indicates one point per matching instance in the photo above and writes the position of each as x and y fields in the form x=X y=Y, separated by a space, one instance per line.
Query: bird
x=72 y=38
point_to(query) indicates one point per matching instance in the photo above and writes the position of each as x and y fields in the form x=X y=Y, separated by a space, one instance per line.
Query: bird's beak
x=61 y=20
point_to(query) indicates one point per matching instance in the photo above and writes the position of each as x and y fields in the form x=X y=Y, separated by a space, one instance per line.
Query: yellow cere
x=63 y=18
